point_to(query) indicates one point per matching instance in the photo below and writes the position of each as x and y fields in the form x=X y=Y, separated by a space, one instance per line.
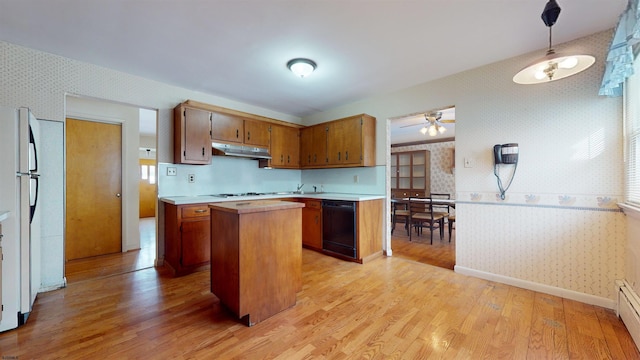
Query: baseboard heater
x=629 y=309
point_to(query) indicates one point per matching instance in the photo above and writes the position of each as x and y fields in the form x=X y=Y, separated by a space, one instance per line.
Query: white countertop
x=200 y=199
x=4 y=215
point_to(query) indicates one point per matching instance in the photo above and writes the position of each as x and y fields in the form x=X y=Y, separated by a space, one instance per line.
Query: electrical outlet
x=356 y=179
x=192 y=178
x=172 y=171
x=468 y=162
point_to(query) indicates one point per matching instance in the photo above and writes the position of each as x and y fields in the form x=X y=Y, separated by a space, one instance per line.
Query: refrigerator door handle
x=36 y=191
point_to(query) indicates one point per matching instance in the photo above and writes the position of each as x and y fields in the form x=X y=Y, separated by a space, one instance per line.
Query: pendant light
x=553 y=66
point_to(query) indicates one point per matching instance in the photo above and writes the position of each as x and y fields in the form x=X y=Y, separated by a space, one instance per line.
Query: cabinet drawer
x=195 y=211
x=313 y=204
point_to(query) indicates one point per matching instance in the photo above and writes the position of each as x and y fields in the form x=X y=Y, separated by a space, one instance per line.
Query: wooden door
x=94 y=187
x=148 y=197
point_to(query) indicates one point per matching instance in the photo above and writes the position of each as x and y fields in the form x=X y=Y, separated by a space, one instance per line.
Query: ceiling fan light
x=301 y=67
x=423 y=130
x=441 y=129
x=433 y=131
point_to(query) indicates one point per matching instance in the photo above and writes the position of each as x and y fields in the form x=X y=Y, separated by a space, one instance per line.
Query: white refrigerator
x=20 y=243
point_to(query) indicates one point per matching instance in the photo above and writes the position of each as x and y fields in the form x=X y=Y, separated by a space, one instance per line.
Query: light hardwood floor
x=442 y=253
x=118 y=263
x=389 y=308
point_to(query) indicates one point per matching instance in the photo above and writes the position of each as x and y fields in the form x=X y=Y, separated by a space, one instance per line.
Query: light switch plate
x=172 y=171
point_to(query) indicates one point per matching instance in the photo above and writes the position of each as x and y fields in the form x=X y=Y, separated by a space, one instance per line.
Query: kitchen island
x=256 y=256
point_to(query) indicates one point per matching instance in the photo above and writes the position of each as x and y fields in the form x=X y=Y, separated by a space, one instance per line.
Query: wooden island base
x=256 y=257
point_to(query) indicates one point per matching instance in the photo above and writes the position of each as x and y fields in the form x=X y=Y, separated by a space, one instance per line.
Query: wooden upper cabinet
x=257 y=133
x=351 y=141
x=285 y=147
x=191 y=135
x=227 y=128
x=313 y=146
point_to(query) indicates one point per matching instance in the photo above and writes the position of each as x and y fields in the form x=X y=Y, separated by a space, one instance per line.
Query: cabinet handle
x=200 y=211
x=237 y=133
x=315 y=158
x=316 y=219
x=288 y=159
x=281 y=158
x=203 y=151
x=248 y=135
x=309 y=162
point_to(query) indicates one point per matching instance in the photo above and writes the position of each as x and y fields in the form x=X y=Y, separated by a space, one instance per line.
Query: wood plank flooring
x=389 y=308
x=113 y=264
x=442 y=253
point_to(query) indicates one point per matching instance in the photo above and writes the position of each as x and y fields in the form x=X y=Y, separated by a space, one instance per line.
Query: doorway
x=138 y=236
x=422 y=133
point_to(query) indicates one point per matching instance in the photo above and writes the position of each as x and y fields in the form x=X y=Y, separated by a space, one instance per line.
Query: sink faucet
x=315 y=189
x=300 y=187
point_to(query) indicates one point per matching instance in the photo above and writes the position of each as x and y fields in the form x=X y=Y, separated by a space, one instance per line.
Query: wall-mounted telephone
x=505 y=154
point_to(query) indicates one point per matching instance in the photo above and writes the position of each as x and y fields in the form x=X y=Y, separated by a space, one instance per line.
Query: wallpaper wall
x=558 y=229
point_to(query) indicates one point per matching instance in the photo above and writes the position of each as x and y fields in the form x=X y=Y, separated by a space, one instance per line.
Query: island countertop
x=253 y=206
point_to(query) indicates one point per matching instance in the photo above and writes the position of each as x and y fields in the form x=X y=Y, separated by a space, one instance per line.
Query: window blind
x=632 y=137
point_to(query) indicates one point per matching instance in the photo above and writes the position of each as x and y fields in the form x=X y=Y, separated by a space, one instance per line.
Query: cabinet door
x=257 y=133
x=285 y=147
x=196 y=242
x=192 y=144
x=312 y=224
x=344 y=141
x=306 y=147
x=319 y=144
x=227 y=128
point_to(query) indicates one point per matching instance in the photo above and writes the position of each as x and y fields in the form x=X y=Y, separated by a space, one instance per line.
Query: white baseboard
x=547 y=289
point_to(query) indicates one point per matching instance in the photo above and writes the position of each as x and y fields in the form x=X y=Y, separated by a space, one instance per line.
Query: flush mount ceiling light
x=301 y=67
x=553 y=66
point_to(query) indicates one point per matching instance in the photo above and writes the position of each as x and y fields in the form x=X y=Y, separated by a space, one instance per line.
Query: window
x=148 y=173
x=632 y=137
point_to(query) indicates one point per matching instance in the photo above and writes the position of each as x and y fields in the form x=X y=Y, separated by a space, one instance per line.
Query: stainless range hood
x=250 y=152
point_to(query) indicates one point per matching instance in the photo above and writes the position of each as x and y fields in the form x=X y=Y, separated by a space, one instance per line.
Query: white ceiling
x=238 y=49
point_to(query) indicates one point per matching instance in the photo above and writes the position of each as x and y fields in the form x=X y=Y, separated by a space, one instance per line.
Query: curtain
x=619 y=65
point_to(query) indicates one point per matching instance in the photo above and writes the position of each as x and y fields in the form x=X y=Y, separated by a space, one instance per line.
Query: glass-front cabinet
x=410 y=173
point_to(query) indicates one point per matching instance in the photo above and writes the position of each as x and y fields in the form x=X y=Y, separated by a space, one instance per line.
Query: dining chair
x=444 y=210
x=421 y=215
x=400 y=211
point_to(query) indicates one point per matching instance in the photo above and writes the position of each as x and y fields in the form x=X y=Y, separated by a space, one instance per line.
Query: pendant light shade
x=553 y=66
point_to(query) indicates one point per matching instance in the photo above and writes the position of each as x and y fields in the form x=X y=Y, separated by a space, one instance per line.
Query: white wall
x=562 y=201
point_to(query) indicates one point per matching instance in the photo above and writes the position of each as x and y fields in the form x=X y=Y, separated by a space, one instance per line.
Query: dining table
x=395 y=202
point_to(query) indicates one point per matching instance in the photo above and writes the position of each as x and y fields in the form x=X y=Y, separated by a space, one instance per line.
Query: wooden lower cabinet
x=187 y=243
x=312 y=224
x=369 y=229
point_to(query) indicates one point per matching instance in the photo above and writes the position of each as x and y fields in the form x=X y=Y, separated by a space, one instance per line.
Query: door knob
x=118 y=195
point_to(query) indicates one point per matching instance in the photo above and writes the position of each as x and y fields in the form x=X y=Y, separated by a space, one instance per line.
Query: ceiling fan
x=434 y=123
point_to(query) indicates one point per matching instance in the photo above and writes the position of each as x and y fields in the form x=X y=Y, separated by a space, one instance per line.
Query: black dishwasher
x=339 y=227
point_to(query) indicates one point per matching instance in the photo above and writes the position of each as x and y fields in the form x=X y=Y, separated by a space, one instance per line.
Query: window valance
x=619 y=63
